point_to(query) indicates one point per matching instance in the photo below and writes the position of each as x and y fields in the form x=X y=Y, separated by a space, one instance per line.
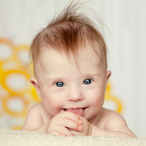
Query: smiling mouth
x=78 y=111
x=66 y=109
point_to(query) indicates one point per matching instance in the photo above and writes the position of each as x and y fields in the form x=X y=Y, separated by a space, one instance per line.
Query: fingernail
x=63 y=135
x=79 y=121
x=80 y=127
x=61 y=111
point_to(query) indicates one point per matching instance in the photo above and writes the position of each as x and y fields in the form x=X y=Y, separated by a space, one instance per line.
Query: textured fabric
x=24 y=138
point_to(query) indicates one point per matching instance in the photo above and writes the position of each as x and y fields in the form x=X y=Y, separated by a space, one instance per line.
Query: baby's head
x=69 y=34
x=70 y=64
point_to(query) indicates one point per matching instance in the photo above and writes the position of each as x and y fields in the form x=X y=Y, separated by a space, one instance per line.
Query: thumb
x=62 y=111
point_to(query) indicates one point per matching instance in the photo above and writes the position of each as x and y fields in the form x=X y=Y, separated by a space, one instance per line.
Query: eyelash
x=58 y=82
x=88 y=79
x=64 y=84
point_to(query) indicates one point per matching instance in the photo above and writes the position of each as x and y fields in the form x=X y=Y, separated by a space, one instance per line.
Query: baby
x=70 y=67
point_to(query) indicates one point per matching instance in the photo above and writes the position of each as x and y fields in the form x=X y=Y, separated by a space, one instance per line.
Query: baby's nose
x=75 y=94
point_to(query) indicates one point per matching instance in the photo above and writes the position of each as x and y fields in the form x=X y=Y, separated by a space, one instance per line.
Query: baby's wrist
x=46 y=127
x=94 y=130
x=91 y=129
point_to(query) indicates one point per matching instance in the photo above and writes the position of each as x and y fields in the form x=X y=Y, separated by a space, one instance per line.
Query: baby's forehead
x=92 y=48
x=84 y=53
x=86 y=57
x=86 y=50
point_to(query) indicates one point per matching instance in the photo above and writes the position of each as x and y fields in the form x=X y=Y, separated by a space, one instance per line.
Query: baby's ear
x=35 y=84
x=108 y=74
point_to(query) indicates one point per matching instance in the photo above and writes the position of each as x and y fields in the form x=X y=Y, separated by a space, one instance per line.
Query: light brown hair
x=67 y=33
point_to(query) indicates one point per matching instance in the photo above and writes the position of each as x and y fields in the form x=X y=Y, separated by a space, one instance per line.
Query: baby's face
x=64 y=86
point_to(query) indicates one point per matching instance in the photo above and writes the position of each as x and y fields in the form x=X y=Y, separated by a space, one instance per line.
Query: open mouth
x=78 y=111
x=73 y=108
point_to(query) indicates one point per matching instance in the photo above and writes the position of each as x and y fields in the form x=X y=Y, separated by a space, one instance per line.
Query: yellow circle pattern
x=26 y=70
x=23 y=69
x=14 y=113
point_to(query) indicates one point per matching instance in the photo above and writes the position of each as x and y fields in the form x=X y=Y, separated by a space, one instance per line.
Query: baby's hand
x=86 y=128
x=62 y=122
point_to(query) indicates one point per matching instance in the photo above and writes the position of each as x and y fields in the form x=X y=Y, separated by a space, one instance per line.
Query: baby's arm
x=34 y=119
x=114 y=126
x=58 y=125
x=110 y=124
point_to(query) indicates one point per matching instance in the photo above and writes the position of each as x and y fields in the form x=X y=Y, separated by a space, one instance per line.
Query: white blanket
x=24 y=138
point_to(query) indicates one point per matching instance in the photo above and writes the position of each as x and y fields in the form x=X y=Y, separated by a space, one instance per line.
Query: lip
x=79 y=111
x=75 y=108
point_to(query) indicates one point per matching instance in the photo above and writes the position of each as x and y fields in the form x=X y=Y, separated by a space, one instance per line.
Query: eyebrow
x=95 y=74
x=62 y=78
x=55 y=79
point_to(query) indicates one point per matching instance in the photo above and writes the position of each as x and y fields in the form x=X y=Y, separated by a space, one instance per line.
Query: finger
x=71 y=116
x=52 y=132
x=62 y=130
x=69 y=124
x=62 y=111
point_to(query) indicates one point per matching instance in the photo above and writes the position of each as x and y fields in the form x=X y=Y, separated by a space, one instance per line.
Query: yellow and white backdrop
x=125 y=35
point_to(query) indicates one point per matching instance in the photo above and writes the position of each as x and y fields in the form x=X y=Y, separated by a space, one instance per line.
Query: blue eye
x=87 y=81
x=59 y=84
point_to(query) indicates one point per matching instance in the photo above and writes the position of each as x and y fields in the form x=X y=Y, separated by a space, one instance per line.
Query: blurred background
x=124 y=29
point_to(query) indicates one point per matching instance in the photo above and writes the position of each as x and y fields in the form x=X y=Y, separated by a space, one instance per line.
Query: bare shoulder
x=34 y=117
x=114 y=121
x=107 y=117
x=38 y=106
x=109 y=114
x=36 y=109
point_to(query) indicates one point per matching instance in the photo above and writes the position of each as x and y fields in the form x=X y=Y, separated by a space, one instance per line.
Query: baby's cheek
x=97 y=99
x=57 y=106
x=57 y=90
x=51 y=102
x=58 y=103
